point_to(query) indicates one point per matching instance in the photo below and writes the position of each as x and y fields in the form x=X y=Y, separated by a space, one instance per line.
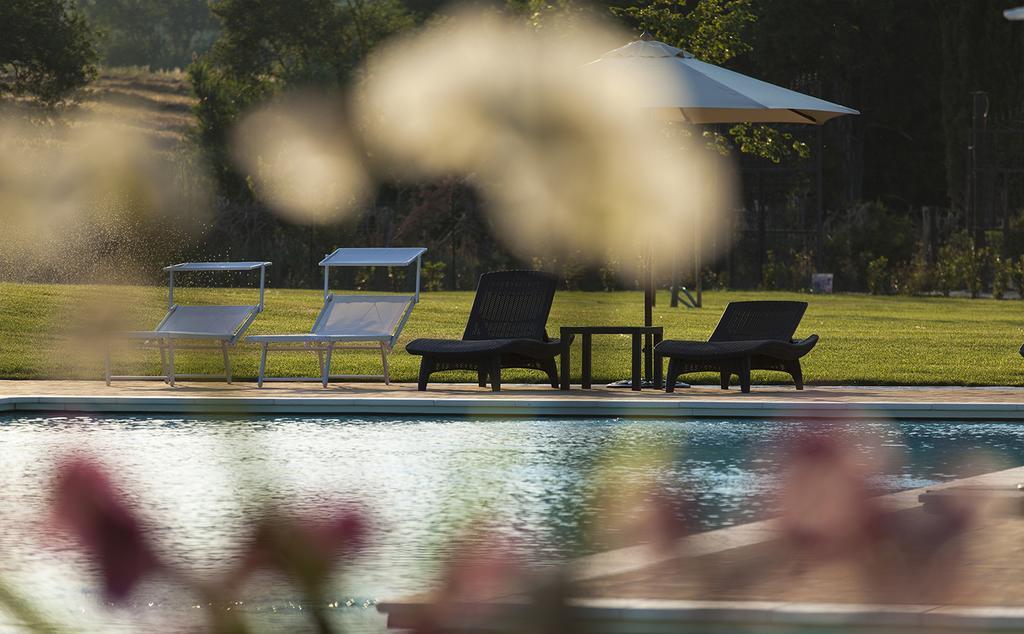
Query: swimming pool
x=540 y=482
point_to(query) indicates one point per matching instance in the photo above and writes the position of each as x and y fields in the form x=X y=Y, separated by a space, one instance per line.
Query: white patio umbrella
x=692 y=91
x=697 y=92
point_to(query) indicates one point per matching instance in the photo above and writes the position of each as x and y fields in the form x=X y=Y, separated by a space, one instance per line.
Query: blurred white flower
x=565 y=161
x=301 y=159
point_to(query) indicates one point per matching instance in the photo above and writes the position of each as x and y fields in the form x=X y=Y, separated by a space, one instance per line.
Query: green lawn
x=864 y=340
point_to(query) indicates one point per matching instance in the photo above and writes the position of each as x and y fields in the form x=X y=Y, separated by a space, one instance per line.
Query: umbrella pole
x=647 y=281
x=696 y=250
x=649 y=316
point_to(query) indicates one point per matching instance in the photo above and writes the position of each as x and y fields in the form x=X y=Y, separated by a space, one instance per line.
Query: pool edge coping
x=755 y=407
x=755 y=614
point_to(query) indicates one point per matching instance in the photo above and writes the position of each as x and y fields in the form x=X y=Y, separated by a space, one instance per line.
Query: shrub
x=801 y=270
x=1002 y=276
x=879 y=276
x=961 y=265
x=974 y=265
x=715 y=280
x=1018 y=276
x=856 y=236
x=609 y=275
x=917 y=276
x=433 y=276
x=769 y=271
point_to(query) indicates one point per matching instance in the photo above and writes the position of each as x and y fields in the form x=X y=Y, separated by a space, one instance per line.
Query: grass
x=864 y=340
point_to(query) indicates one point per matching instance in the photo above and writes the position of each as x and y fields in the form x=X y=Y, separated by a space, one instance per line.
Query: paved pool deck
x=746 y=579
x=967 y=403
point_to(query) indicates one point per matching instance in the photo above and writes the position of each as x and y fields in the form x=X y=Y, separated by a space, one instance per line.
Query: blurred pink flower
x=482 y=574
x=831 y=512
x=87 y=505
x=826 y=501
x=664 y=520
x=306 y=548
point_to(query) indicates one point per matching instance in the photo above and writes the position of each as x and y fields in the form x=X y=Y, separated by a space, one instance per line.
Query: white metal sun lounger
x=350 y=322
x=201 y=327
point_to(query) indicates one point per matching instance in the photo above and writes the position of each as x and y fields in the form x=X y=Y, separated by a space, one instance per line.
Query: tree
x=713 y=30
x=47 y=49
x=268 y=46
x=153 y=33
x=979 y=51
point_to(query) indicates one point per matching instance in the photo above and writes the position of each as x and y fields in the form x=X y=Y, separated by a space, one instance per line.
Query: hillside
x=156 y=103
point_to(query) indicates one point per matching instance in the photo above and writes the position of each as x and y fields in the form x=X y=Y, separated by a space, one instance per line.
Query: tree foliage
x=268 y=46
x=265 y=48
x=713 y=30
x=159 y=34
x=47 y=49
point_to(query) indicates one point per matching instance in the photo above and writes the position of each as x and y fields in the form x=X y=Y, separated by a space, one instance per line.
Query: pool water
x=542 y=483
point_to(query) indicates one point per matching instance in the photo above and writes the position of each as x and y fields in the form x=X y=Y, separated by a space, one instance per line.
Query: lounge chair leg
x=481 y=375
x=495 y=373
x=426 y=367
x=263 y=364
x=552 y=371
x=327 y=364
x=673 y=374
x=170 y=363
x=725 y=375
x=227 y=361
x=744 y=372
x=384 y=362
x=793 y=367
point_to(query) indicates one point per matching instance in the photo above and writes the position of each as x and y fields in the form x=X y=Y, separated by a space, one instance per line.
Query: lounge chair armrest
x=809 y=342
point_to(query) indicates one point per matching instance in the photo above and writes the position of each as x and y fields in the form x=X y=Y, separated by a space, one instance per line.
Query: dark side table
x=587 y=333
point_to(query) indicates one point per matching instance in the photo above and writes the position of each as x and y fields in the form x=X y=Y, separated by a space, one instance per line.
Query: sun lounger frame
x=751 y=335
x=166 y=341
x=507 y=328
x=324 y=345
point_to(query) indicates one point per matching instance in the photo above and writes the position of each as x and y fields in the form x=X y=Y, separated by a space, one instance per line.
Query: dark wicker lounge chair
x=506 y=329
x=750 y=336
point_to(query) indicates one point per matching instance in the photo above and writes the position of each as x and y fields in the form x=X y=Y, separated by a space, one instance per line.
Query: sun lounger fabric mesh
x=344 y=322
x=359 y=316
x=220 y=321
x=750 y=336
x=506 y=329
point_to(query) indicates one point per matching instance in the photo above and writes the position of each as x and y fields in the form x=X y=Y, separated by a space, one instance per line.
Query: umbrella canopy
x=697 y=92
